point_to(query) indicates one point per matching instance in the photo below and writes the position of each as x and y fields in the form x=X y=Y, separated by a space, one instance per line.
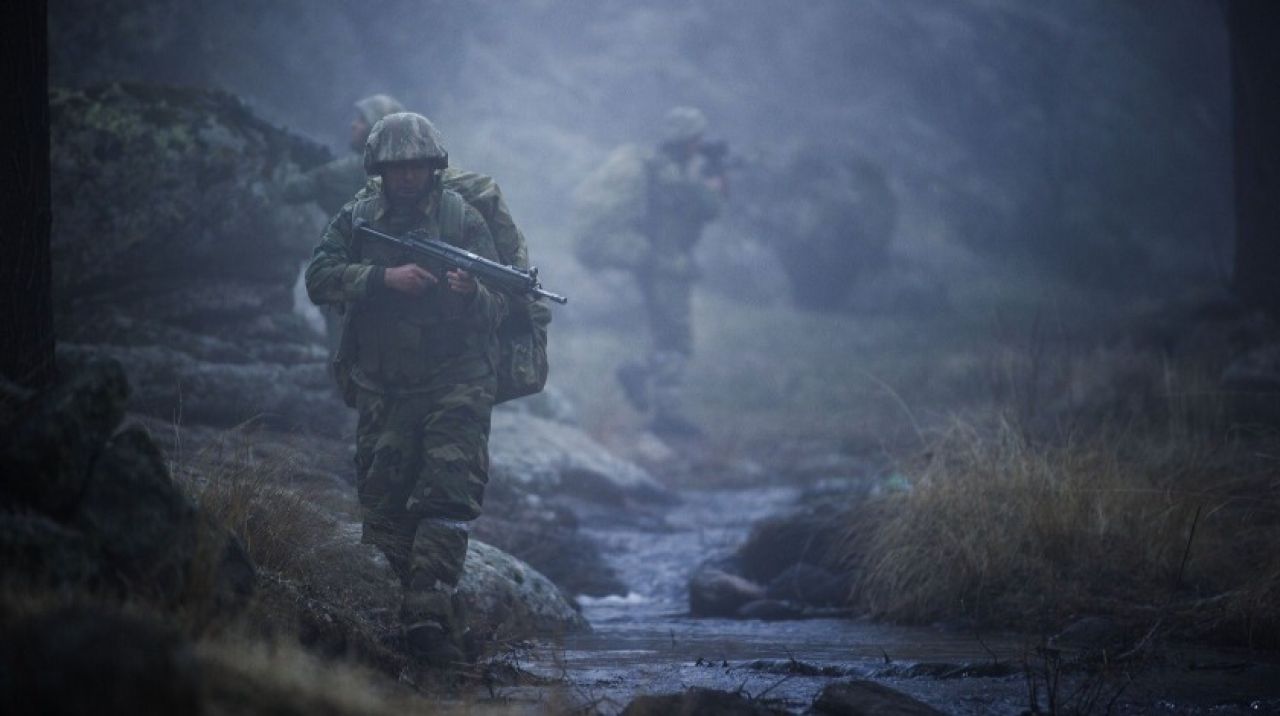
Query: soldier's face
x=406 y=181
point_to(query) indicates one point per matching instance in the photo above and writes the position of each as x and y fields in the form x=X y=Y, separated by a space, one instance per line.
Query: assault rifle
x=507 y=279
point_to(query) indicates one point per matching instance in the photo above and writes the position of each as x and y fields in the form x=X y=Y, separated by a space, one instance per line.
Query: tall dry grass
x=1173 y=518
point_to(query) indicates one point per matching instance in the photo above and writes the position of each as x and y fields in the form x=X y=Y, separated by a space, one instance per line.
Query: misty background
x=1090 y=137
x=1003 y=152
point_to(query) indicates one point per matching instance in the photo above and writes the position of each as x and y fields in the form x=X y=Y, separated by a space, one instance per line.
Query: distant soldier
x=643 y=211
x=332 y=185
x=417 y=359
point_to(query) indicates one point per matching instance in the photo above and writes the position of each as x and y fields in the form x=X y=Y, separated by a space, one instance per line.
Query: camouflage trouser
x=422 y=463
x=660 y=376
x=668 y=301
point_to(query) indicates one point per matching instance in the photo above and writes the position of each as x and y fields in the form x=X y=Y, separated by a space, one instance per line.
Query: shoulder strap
x=364 y=209
x=452 y=215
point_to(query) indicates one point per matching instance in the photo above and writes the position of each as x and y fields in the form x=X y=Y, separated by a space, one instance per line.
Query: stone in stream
x=867 y=698
x=770 y=610
x=714 y=592
x=808 y=584
x=805 y=536
x=698 y=702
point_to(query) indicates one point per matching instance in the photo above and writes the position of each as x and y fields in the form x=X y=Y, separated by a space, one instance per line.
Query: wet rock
x=807 y=535
x=696 y=702
x=100 y=510
x=147 y=528
x=545 y=457
x=549 y=541
x=38 y=552
x=808 y=584
x=151 y=179
x=714 y=592
x=770 y=610
x=53 y=441
x=235 y=577
x=81 y=660
x=173 y=252
x=509 y=598
x=173 y=384
x=867 y=698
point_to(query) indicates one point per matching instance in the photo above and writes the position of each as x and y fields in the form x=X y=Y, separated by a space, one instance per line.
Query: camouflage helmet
x=403 y=137
x=375 y=107
x=683 y=124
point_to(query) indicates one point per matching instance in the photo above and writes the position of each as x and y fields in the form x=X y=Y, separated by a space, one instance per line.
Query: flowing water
x=646 y=643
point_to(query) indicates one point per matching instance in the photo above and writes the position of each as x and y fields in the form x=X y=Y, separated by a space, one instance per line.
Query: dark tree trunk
x=26 y=306
x=1255 y=78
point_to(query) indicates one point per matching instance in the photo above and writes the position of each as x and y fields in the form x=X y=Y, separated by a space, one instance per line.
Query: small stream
x=645 y=642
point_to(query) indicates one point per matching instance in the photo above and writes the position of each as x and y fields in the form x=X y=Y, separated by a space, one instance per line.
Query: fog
x=966 y=359
x=1090 y=137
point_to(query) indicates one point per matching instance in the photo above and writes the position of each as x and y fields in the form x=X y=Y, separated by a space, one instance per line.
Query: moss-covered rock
x=173 y=253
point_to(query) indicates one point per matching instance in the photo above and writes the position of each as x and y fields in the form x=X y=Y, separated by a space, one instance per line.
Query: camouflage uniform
x=652 y=234
x=423 y=371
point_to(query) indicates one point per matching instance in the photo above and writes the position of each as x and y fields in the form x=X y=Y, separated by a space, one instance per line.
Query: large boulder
x=509 y=598
x=148 y=529
x=84 y=506
x=173 y=252
x=544 y=457
x=547 y=537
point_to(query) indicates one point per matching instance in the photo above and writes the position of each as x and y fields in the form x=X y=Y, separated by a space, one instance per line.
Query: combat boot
x=433 y=631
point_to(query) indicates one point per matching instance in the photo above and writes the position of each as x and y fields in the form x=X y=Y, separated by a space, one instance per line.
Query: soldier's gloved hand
x=409 y=278
x=461 y=282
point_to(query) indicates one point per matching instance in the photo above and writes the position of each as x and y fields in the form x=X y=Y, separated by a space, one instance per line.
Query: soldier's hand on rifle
x=409 y=278
x=461 y=282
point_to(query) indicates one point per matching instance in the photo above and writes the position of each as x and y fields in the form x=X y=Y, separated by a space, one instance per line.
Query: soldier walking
x=417 y=361
x=643 y=212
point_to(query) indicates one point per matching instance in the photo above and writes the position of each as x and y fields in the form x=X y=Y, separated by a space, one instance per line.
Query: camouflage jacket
x=329 y=185
x=643 y=211
x=405 y=342
x=481 y=192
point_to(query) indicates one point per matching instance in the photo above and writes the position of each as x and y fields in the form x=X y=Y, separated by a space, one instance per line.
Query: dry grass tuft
x=1001 y=528
x=252 y=492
